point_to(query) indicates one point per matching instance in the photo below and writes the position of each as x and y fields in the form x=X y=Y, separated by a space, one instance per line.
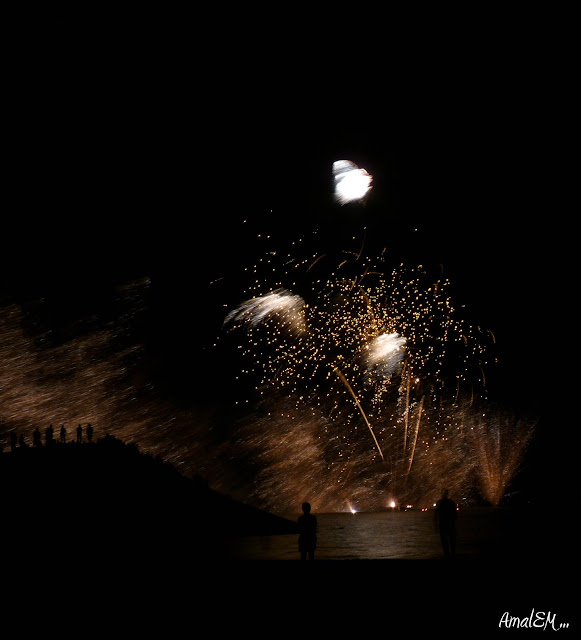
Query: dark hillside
x=108 y=499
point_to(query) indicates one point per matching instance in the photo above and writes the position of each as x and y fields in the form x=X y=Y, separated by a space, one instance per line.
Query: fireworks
x=385 y=355
x=357 y=321
x=352 y=184
x=367 y=382
x=368 y=386
x=288 y=309
x=498 y=440
x=362 y=379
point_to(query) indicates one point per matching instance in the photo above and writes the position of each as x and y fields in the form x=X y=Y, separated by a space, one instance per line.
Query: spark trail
x=356 y=399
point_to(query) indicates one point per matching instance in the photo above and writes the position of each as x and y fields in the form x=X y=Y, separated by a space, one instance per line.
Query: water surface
x=398 y=535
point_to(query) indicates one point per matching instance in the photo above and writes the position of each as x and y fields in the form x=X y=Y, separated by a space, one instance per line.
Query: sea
x=389 y=535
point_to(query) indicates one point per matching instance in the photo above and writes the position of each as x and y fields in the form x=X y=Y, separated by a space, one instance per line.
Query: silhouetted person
x=79 y=433
x=49 y=434
x=307 y=533
x=446 y=523
x=89 y=432
x=13 y=440
x=63 y=433
x=36 y=437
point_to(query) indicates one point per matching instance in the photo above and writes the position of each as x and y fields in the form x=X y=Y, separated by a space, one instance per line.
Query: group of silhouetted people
x=49 y=437
x=445 y=521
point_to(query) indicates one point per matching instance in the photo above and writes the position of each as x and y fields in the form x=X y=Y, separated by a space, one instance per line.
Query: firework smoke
x=92 y=373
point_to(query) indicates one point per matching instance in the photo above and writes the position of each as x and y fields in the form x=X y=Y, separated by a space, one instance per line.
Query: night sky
x=140 y=152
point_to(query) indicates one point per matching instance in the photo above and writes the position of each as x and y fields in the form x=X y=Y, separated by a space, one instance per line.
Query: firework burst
x=352 y=184
x=381 y=352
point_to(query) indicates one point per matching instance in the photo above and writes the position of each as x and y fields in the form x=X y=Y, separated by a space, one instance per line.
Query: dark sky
x=136 y=147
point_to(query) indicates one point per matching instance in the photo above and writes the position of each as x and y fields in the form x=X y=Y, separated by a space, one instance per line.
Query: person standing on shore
x=446 y=524
x=307 y=533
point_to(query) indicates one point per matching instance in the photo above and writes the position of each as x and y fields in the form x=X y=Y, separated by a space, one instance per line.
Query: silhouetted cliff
x=108 y=497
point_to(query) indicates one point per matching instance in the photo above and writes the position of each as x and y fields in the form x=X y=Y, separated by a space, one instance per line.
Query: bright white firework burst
x=279 y=303
x=384 y=353
x=351 y=182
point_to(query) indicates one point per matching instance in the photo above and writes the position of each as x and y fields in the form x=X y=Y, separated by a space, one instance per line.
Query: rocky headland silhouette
x=107 y=498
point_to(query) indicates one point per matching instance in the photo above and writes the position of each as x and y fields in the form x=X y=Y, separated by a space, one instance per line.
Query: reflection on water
x=400 y=535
